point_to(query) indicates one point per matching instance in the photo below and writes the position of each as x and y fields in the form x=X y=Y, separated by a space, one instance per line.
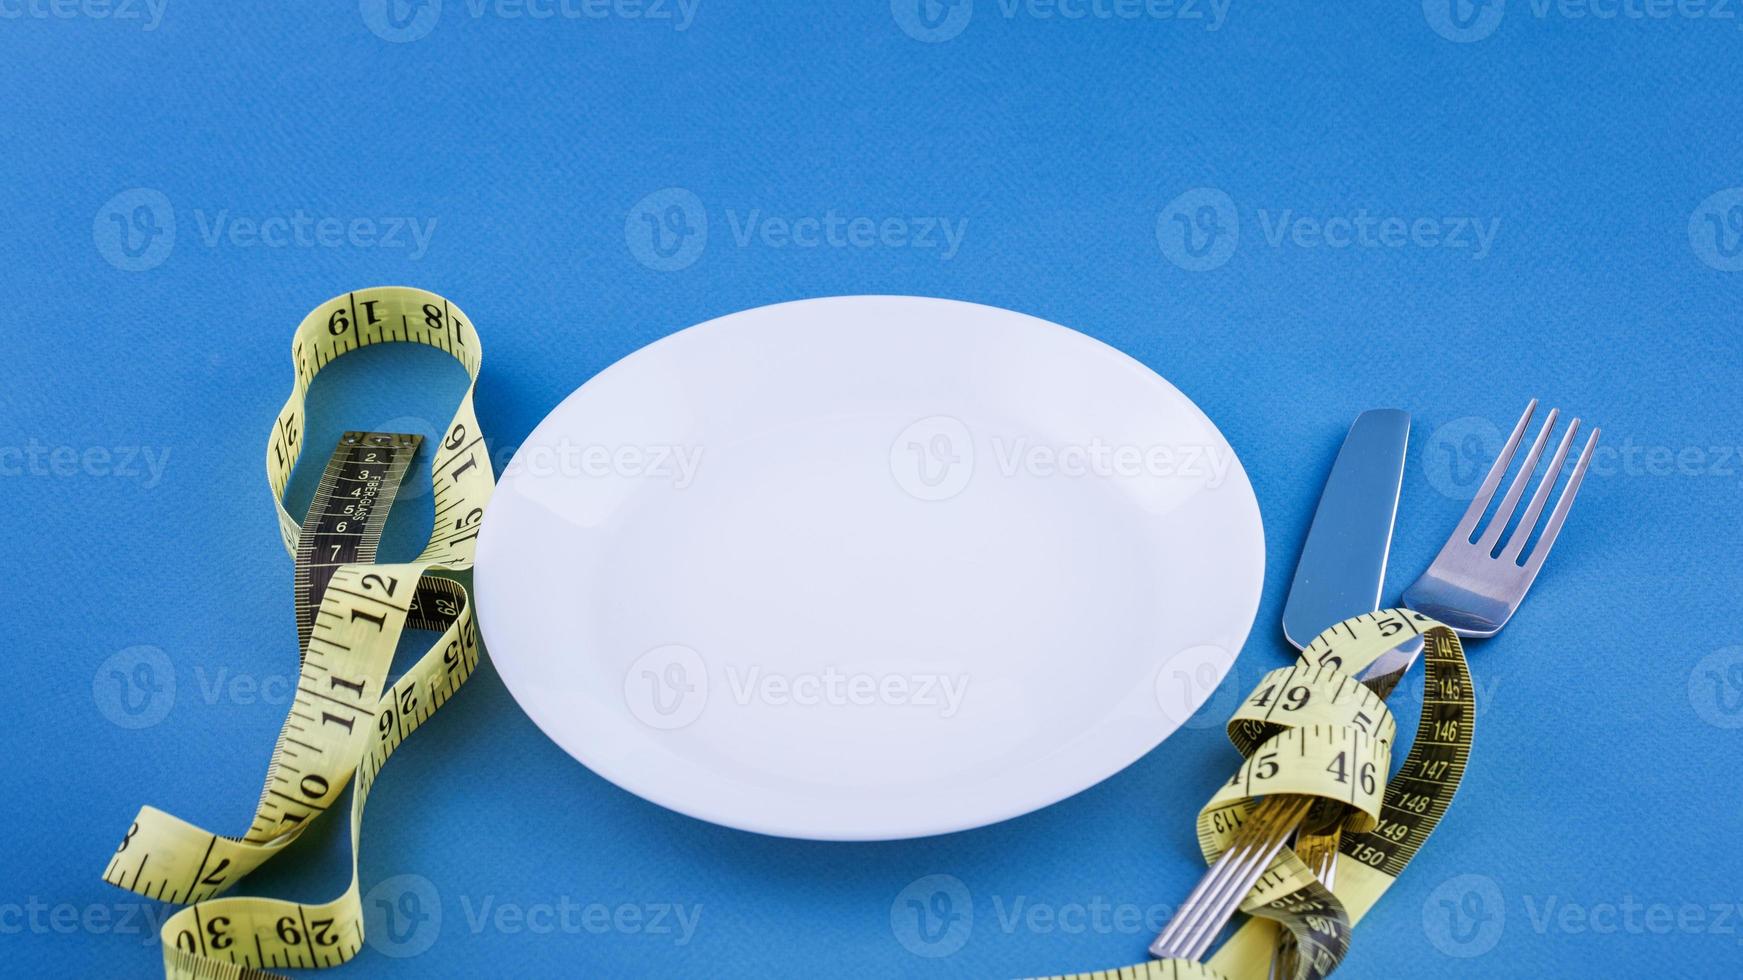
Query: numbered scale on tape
x=344 y=523
x=347 y=717
x=1313 y=730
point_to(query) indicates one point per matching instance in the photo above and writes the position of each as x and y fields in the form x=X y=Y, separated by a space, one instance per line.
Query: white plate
x=868 y=567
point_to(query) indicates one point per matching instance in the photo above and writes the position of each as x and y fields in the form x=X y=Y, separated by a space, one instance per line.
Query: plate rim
x=653 y=791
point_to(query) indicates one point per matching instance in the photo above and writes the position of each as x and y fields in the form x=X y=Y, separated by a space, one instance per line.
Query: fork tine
x=1521 y=480
x=1562 y=505
x=1522 y=533
x=1486 y=492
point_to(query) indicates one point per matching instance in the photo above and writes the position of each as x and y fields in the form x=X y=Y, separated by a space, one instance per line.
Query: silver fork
x=1472 y=586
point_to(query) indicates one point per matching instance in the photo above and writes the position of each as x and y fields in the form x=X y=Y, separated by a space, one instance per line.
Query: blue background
x=1605 y=777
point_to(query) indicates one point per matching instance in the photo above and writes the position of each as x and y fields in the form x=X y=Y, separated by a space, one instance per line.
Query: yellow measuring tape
x=345 y=720
x=1314 y=730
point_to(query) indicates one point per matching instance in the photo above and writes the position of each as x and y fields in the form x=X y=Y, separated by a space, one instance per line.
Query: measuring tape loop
x=347 y=719
x=1312 y=729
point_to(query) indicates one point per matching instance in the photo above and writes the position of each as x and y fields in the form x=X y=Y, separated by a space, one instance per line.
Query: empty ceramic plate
x=868 y=567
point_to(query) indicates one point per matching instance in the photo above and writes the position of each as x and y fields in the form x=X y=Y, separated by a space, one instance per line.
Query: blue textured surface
x=1598 y=833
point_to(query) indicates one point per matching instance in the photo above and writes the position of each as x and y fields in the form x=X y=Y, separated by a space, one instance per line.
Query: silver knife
x=1341 y=573
x=1343 y=562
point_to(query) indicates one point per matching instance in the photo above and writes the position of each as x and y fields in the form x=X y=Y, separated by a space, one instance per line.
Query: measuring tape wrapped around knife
x=345 y=720
x=1314 y=730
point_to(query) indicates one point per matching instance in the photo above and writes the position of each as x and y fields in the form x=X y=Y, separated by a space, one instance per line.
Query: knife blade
x=1343 y=562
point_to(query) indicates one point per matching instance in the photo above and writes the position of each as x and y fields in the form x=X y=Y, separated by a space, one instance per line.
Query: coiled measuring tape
x=1312 y=729
x=345 y=720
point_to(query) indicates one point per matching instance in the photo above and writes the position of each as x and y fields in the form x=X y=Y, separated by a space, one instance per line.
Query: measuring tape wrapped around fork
x=345 y=720
x=1312 y=729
